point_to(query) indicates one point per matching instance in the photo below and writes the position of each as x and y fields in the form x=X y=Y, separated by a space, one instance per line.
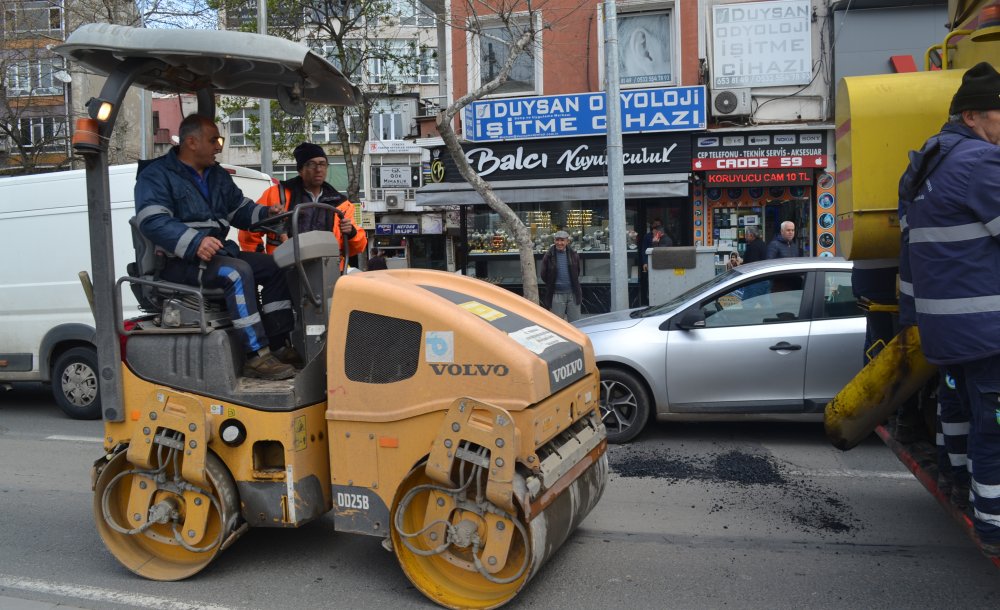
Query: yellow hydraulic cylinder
x=895 y=374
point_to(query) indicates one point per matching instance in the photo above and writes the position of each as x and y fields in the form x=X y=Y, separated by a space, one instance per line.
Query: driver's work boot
x=289 y=355
x=264 y=365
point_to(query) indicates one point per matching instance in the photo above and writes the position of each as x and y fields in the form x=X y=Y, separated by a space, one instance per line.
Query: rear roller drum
x=173 y=528
x=459 y=550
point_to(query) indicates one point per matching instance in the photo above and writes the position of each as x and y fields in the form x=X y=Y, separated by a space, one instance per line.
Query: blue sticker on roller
x=563 y=357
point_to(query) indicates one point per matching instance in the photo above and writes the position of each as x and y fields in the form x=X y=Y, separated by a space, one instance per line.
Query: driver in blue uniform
x=185 y=204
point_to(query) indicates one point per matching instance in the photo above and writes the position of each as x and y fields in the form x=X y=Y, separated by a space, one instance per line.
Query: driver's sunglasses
x=316 y=165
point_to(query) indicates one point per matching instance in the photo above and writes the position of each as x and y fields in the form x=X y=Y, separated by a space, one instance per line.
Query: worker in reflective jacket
x=309 y=186
x=951 y=250
x=185 y=204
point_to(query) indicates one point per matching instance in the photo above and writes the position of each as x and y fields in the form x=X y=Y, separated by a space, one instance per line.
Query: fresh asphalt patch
x=748 y=481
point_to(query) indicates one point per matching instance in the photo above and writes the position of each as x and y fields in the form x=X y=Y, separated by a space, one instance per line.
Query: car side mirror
x=692 y=318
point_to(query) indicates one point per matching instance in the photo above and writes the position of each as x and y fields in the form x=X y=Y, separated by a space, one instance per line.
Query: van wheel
x=74 y=383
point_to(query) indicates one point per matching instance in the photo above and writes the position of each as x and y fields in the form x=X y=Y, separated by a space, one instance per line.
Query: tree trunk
x=522 y=235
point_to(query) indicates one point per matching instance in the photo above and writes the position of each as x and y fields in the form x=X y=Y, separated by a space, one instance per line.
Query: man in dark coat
x=783 y=245
x=561 y=274
x=756 y=250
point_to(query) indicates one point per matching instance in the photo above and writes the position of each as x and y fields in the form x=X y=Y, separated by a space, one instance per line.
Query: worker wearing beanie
x=949 y=215
x=309 y=186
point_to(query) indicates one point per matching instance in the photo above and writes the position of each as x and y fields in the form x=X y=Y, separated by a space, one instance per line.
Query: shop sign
x=761 y=44
x=818 y=162
x=409 y=228
x=573 y=158
x=393 y=147
x=776 y=177
x=397 y=176
x=731 y=150
x=584 y=114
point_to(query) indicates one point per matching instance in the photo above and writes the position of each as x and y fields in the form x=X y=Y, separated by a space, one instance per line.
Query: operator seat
x=177 y=305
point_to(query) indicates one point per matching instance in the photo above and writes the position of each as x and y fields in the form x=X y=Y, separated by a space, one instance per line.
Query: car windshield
x=677 y=301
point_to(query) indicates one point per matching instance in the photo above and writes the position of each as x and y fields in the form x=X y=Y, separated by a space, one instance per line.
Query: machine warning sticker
x=536 y=338
x=439 y=346
x=483 y=311
x=299 y=426
x=215 y=409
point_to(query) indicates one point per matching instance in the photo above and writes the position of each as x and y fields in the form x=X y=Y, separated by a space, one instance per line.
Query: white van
x=46 y=326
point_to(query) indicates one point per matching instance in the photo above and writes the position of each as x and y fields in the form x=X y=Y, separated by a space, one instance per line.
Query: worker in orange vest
x=310 y=186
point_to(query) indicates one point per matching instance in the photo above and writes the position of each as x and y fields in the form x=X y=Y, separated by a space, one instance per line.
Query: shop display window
x=585 y=221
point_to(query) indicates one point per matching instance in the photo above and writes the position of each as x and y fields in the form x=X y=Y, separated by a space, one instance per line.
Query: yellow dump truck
x=879 y=120
x=454 y=419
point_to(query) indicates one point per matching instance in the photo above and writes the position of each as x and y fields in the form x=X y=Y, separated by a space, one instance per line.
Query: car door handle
x=784 y=345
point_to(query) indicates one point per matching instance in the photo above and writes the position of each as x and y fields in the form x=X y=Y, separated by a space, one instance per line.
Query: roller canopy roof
x=232 y=63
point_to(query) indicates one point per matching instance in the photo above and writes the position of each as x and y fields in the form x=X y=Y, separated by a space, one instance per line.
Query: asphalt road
x=707 y=515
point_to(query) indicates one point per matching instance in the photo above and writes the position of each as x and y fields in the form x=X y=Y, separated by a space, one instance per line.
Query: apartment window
x=645 y=45
x=352 y=50
x=29 y=17
x=324 y=127
x=489 y=53
x=428 y=68
x=388 y=121
x=34 y=77
x=240 y=123
x=324 y=11
x=412 y=12
x=393 y=61
x=45 y=133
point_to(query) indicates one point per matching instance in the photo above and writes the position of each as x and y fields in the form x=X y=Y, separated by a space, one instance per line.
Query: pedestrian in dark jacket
x=561 y=274
x=184 y=204
x=755 y=250
x=377 y=261
x=949 y=208
x=783 y=245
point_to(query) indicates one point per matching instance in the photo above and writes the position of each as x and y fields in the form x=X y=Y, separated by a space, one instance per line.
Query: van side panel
x=44 y=222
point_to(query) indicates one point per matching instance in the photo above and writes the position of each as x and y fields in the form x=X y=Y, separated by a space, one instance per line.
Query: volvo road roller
x=880 y=118
x=450 y=417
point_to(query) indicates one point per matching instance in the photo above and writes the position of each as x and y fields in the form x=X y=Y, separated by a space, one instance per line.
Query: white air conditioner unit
x=731 y=102
x=394 y=200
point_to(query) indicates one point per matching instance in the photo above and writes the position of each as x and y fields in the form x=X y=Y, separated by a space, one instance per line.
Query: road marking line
x=851 y=474
x=75 y=439
x=101 y=595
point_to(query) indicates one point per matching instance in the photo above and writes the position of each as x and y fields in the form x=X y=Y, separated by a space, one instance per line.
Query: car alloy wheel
x=624 y=405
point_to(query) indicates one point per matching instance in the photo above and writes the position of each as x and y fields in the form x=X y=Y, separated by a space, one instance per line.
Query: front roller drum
x=464 y=553
x=159 y=526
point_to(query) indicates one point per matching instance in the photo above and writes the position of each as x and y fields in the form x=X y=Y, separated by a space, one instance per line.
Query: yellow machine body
x=434 y=381
x=879 y=120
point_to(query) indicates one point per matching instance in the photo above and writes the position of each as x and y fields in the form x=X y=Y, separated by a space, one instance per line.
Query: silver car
x=776 y=338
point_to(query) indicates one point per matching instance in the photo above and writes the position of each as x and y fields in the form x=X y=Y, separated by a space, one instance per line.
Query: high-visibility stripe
x=965 y=305
x=243 y=320
x=966 y=232
x=986 y=491
x=247 y=201
x=276 y=306
x=906 y=288
x=987 y=518
x=182 y=244
x=903 y=225
x=152 y=210
x=955 y=428
x=247 y=321
x=958 y=459
x=202 y=224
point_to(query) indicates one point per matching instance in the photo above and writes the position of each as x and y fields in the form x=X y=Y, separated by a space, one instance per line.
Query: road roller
x=880 y=118
x=454 y=419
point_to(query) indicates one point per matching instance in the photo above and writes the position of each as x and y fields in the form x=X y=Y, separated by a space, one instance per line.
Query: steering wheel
x=271 y=224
